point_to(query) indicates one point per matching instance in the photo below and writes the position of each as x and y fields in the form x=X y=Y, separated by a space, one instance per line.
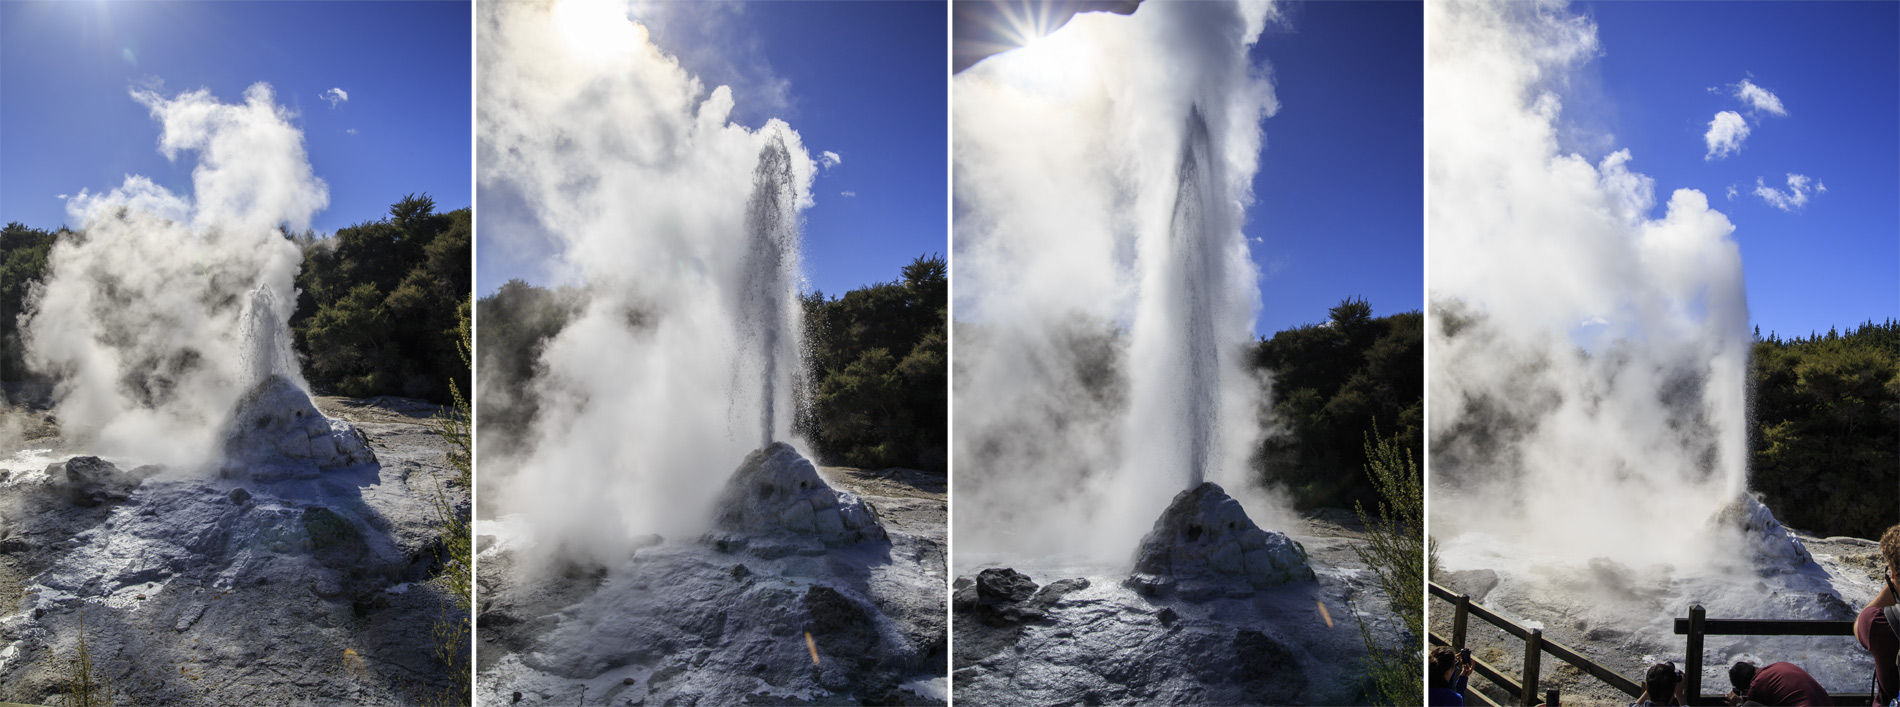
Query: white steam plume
x=682 y=227
x=1618 y=438
x=168 y=308
x=1102 y=174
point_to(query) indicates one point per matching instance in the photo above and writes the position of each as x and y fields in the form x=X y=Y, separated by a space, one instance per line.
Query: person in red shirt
x=1875 y=627
x=1776 y=684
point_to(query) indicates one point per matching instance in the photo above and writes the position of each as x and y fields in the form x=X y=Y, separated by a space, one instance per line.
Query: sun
x=597 y=29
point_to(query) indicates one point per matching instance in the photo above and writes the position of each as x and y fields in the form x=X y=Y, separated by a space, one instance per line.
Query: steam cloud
x=652 y=394
x=1588 y=357
x=1102 y=174
x=168 y=308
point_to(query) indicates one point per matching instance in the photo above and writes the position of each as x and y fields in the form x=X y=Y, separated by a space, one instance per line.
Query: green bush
x=380 y=303
x=879 y=366
x=1825 y=424
x=1331 y=381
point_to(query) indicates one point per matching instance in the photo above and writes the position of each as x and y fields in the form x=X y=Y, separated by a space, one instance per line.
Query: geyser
x=768 y=309
x=1588 y=368
x=1586 y=354
x=170 y=310
x=776 y=495
x=629 y=178
x=1205 y=546
x=1102 y=175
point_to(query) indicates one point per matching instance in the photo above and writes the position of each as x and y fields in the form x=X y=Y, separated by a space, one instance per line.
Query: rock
x=1262 y=658
x=277 y=428
x=239 y=496
x=839 y=625
x=1047 y=597
x=739 y=572
x=1002 y=584
x=91 y=481
x=1475 y=583
x=1004 y=597
x=1167 y=616
x=334 y=540
x=1768 y=542
x=776 y=491
x=1204 y=546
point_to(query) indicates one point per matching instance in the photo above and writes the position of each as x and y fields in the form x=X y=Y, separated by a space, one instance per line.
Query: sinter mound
x=277 y=433
x=776 y=504
x=1204 y=546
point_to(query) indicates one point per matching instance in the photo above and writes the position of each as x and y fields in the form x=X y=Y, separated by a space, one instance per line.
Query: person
x=1450 y=673
x=1775 y=684
x=1875 y=627
x=1662 y=685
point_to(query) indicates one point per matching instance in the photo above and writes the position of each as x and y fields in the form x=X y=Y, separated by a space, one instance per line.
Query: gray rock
x=1475 y=583
x=277 y=434
x=91 y=481
x=777 y=492
x=1204 y=546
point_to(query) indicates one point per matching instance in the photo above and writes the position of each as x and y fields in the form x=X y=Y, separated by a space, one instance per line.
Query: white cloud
x=1820 y=187
x=829 y=159
x=1791 y=200
x=1759 y=98
x=1725 y=135
x=351 y=131
x=1731 y=192
x=335 y=96
x=847 y=193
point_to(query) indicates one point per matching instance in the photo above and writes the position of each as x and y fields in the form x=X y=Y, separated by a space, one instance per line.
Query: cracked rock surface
x=724 y=619
x=277 y=433
x=195 y=589
x=1204 y=545
x=1084 y=636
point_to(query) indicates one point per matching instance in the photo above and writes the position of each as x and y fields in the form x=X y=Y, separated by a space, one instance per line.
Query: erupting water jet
x=768 y=315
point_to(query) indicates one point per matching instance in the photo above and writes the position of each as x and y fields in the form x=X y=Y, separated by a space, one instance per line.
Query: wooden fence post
x=1460 y=613
x=1550 y=698
x=1533 y=655
x=1692 y=671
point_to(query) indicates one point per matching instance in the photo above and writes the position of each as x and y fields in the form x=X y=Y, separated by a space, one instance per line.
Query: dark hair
x=1661 y=682
x=1890 y=546
x=1442 y=660
x=1741 y=675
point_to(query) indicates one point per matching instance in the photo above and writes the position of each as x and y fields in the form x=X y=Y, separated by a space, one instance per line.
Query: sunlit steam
x=683 y=228
x=1588 y=355
x=1102 y=174
x=167 y=308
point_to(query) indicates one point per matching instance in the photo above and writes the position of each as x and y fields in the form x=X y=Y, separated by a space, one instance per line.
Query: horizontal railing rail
x=1697 y=625
x=1536 y=644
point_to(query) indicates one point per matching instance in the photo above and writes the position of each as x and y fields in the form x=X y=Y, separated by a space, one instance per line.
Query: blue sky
x=1338 y=200
x=865 y=80
x=67 y=120
x=1835 y=67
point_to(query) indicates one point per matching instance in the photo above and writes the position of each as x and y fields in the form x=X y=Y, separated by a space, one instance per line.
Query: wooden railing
x=1535 y=646
x=1695 y=627
x=1698 y=625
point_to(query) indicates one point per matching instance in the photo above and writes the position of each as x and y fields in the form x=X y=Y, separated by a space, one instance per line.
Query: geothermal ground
x=200 y=590
x=683 y=623
x=1084 y=638
x=1621 y=617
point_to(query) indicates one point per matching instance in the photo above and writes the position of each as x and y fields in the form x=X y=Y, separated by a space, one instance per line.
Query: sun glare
x=597 y=29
